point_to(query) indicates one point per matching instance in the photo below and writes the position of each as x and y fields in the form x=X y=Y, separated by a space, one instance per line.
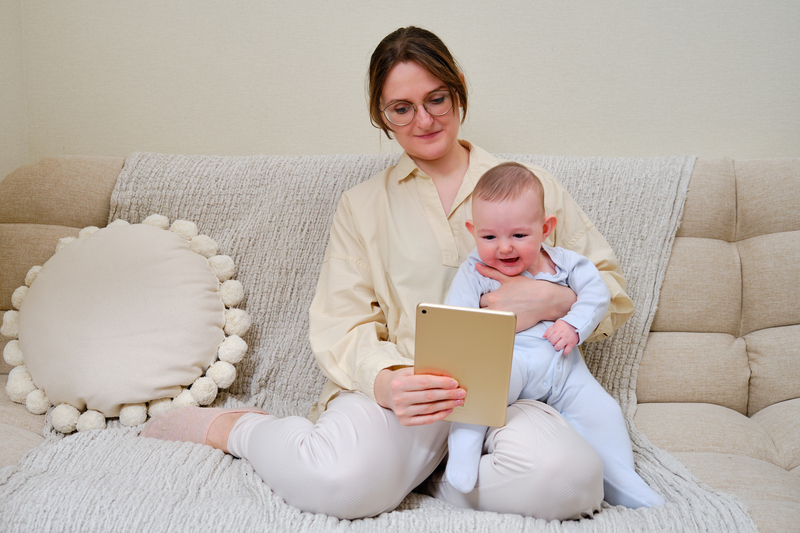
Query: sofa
x=717 y=385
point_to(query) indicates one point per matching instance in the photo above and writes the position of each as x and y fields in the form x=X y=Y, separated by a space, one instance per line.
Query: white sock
x=464 y=446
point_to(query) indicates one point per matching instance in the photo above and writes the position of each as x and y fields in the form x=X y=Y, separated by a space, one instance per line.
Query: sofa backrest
x=727 y=329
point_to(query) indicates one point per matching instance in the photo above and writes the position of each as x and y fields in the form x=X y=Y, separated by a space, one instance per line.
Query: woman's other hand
x=417 y=399
x=531 y=300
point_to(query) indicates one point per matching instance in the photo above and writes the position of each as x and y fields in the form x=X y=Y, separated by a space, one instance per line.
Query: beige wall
x=13 y=135
x=711 y=78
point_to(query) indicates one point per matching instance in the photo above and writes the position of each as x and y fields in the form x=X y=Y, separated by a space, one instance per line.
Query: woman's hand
x=531 y=300
x=417 y=399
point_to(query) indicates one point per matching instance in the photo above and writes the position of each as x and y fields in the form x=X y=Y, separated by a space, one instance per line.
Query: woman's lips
x=428 y=136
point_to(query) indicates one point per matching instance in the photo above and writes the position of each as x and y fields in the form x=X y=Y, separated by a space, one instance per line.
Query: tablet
x=474 y=347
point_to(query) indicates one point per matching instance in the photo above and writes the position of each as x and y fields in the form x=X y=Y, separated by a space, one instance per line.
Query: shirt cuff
x=370 y=369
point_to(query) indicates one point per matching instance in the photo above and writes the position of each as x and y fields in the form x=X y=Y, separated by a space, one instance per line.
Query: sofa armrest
x=70 y=191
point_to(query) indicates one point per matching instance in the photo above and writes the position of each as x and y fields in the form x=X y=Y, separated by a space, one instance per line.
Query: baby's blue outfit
x=539 y=372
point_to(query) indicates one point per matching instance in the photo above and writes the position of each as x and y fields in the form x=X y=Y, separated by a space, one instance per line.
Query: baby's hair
x=508 y=181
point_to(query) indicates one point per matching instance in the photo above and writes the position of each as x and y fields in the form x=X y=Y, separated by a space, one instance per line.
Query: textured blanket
x=271 y=214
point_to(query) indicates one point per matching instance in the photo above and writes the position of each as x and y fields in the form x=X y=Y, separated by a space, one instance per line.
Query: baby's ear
x=548 y=226
x=470 y=227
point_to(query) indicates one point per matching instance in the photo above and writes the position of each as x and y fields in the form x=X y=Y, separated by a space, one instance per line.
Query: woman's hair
x=422 y=47
x=508 y=181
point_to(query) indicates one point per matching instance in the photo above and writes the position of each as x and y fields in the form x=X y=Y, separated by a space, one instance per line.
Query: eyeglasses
x=437 y=103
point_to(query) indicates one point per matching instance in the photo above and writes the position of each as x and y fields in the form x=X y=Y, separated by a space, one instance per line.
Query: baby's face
x=509 y=233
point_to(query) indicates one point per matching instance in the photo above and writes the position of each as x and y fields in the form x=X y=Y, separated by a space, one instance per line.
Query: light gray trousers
x=359 y=461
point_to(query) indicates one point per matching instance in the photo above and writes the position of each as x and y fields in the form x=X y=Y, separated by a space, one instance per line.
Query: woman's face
x=427 y=137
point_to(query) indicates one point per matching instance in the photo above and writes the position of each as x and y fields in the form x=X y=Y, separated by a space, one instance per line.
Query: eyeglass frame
x=447 y=90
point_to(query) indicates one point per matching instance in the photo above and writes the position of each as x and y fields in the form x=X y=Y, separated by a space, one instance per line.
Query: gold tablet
x=473 y=346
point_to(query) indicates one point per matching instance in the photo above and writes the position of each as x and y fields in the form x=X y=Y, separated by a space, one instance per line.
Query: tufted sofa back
x=726 y=331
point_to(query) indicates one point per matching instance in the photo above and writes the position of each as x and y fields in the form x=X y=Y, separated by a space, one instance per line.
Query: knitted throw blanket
x=271 y=214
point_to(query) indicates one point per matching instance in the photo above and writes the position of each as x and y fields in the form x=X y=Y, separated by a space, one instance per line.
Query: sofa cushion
x=17 y=415
x=20 y=430
x=70 y=190
x=694 y=367
x=693 y=300
x=699 y=427
x=710 y=209
x=770 y=271
x=780 y=422
x=16 y=443
x=773 y=517
x=745 y=477
x=774 y=365
x=771 y=495
x=767 y=196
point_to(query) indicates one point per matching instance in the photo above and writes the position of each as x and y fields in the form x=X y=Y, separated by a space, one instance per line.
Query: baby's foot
x=461 y=480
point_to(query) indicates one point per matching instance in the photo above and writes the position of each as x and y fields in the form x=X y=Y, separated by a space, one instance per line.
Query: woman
x=396 y=240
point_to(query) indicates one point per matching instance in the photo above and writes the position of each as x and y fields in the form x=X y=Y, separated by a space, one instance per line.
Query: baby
x=509 y=225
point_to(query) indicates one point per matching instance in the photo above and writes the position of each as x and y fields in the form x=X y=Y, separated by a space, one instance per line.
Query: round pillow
x=122 y=316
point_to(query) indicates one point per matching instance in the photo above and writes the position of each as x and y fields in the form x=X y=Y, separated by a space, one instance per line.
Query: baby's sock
x=464 y=444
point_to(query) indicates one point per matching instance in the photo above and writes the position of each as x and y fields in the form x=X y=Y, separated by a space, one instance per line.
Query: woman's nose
x=423 y=118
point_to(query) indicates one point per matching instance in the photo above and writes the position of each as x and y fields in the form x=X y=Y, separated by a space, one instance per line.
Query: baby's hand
x=562 y=336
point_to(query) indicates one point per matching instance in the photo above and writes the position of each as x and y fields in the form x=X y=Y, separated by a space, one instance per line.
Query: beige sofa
x=718 y=384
